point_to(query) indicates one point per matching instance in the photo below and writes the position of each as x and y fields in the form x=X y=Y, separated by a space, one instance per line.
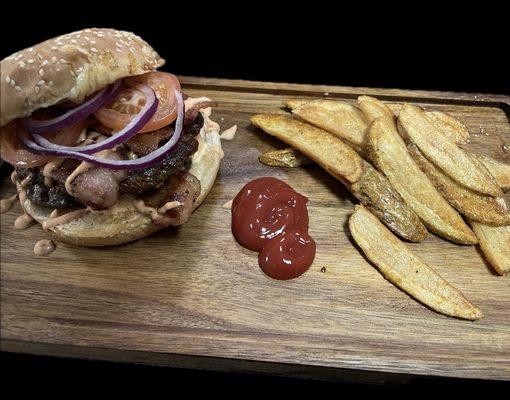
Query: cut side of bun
x=70 y=67
x=125 y=223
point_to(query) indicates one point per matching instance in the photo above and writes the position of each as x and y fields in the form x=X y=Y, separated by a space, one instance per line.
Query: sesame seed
x=8 y=79
x=118 y=35
x=100 y=35
x=54 y=47
x=17 y=88
x=88 y=30
x=31 y=61
x=86 y=38
x=13 y=82
x=93 y=49
x=41 y=82
x=62 y=61
x=18 y=57
x=45 y=62
x=41 y=72
x=93 y=41
x=39 y=56
x=37 y=89
x=60 y=43
x=73 y=41
x=54 y=60
x=132 y=50
x=50 y=83
x=78 y=36
x=22 y=64
x=119 y=50
x=30 y=49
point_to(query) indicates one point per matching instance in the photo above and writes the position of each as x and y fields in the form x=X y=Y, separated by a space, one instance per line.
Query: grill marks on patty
x=96 y=189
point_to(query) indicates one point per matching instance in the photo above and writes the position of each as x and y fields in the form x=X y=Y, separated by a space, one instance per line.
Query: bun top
x=70 y=67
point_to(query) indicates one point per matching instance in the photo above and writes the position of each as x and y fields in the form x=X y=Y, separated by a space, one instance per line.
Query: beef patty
x=137 y=182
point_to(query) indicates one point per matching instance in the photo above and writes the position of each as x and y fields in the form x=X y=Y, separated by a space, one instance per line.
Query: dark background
x=413 y=46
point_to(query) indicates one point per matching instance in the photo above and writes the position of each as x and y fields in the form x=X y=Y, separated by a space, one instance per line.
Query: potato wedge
x=339 y=118
x=295 y=103
x=445 y=154
x=389 y=154
x=327 y=150
x=495 y=244
x=477 y=206
x=451 y=127
x=405 y=270
x=375 y=192
x=287 y=158
x=371 y=187
x=373 y=108
x=499 y=170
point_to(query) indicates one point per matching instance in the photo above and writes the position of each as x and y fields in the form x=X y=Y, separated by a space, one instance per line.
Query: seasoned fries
x=373 y=108
x=327 y=150
x=370 y=187
x=375 y=192
x=451 y=127
x=477 y=206
x=339 y=118
x=389 y=153
x=495 y=244
x=499 y=170
x=405 y=270
x=287 y=158
x=445 y=154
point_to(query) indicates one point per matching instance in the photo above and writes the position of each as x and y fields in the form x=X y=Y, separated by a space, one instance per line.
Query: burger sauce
x=270 y=217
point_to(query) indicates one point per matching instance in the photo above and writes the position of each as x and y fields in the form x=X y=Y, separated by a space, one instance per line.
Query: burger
x=105 y=148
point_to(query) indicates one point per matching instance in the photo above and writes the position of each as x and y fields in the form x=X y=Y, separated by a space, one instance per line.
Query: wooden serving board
x=191 y=296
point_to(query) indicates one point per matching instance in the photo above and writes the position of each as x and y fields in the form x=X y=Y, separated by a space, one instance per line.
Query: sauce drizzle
x=270 y=217
x=6 y=204
x=43 y=247
x=23 y=221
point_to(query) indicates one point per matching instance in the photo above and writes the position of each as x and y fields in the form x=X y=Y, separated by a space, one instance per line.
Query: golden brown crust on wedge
x=373 y=108
x=341 y=119
x=375 y=192
x=327 y=150
x=495 y=244
x=455 y=130
x=445 y=154
x=499 y=170
x=389 y=153
x=405 y=270
x=286 y=158
x=477 y=206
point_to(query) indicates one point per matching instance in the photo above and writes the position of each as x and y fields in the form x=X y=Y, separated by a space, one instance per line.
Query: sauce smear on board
x=270 y=217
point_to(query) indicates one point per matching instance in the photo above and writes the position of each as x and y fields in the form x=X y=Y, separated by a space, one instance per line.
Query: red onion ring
x=130 y=130
x=139 y=163
x=74 y=115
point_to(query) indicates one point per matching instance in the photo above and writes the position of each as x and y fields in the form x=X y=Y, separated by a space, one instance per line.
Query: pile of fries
x=411 y=177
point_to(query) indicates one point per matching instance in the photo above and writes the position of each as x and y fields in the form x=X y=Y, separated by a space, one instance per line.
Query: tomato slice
x=12 y=150
x=129 y=101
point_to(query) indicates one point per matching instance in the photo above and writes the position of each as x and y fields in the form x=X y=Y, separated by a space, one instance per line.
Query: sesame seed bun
x=125 y=223
x=70 y=67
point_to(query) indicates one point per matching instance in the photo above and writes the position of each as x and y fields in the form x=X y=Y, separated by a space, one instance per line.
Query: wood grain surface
x=193 y=293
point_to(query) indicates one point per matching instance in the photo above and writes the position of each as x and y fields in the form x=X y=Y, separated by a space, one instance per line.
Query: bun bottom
x=123 y=223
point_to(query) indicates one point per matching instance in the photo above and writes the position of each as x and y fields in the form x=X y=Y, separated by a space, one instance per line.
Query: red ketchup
x=270 y=217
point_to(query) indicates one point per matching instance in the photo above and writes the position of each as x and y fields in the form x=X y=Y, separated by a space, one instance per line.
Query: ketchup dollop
x=270 y=217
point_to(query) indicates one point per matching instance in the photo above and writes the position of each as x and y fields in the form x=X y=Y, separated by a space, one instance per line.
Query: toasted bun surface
x=125 y=224
x=70 y=67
